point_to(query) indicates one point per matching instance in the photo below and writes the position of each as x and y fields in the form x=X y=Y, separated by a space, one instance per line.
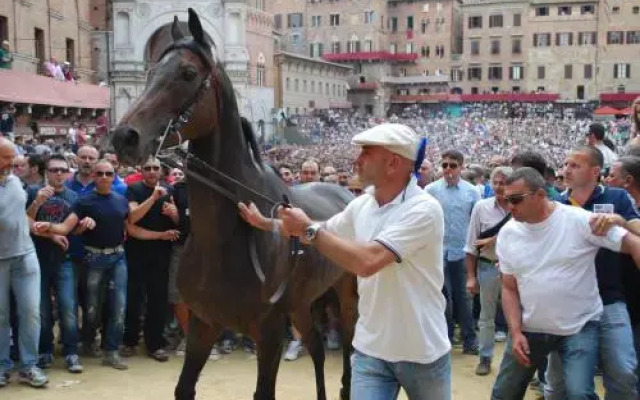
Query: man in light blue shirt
x=457 y=198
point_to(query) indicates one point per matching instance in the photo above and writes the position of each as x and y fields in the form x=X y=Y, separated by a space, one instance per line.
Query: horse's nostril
x=131 y=138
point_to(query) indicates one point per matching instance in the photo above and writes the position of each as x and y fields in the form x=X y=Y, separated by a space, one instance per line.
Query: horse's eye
x=189 y=74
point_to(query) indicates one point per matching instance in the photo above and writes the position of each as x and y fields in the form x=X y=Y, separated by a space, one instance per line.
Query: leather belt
x=106 y=250
x=486 y=260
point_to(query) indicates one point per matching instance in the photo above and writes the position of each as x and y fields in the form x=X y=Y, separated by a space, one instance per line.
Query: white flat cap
x=397 y=138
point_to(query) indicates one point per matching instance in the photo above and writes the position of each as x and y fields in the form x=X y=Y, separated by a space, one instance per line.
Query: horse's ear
x=196 y=28
x=176 y=32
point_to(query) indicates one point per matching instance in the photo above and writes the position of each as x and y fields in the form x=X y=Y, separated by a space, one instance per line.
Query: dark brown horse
x=219 y=276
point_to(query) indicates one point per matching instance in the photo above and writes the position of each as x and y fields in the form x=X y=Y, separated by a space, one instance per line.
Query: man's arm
x=65 y=227
x=138 y=210
x=631 y=246
x=513 y=313
x=145 y=234
x=470 y=261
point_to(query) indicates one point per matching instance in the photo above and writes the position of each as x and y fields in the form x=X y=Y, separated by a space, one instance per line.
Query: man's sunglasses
x=108 y=174
x=58 y=170
x=517 y=198
x=151 y=167
x=449 y=165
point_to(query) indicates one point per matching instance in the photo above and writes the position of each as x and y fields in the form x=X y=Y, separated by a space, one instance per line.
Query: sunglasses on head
x=58 y=170
x=151 y=167
x=446 y=165
x=517 y=198
x=108 y=174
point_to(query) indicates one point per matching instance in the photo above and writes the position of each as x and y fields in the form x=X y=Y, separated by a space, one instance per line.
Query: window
x=334 y=19
x=353 y=45
x=475 y=90
x=277 y=21
x=394 y=24
x=495 y=46
x=4 y=28
x=568 y=71
x=410 y=23
x=335 y=47
x=636 y=10
x=615 y=10
x=260 y=81
x=474 y=73
x=70 y=51
x=39 y=47
x=456 y=75
x=296 y=85
x=368 y=45
x=295 y=38
x=564 y=10
x=515 y=89
x=516 y=45
x=587 y=9
x=541 y=39
x=393 y=48
x=517 y=19
x=587 y=38
x=564 y=39
x=368 y=17
x=495 y=21
x=615 y=37
x=475 y=22
x=622 y=71
x=588 y=71
x=288 y=85
x=541 y=72
x=424 y=24
x=294 y=20
x=313 y=86
x=542 y=11
x=475 y=47
x=409 y=48
x=633 y=37
x=495 y=73
x=403 y=71
x=315 y=50
x=326 y=88
x=425 y=51
x=316 y=20
x=516 y=72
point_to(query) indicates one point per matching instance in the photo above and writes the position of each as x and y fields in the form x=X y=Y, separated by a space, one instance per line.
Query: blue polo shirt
x=110 y=213
x=609 y=263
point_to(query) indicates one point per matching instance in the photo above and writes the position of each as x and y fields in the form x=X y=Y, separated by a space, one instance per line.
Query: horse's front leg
x=200 y=340
x=268 y=336
x=348 y=295
x=303 y=322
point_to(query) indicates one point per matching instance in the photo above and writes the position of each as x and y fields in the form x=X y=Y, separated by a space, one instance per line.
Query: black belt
x=486 y=260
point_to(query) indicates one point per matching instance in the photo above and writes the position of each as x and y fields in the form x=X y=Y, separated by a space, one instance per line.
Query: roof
x=28 y=88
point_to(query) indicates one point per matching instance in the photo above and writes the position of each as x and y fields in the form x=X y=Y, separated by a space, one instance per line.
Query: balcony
x=371 y=56
x=415 y=80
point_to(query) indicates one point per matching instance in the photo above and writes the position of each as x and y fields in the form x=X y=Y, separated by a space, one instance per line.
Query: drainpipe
x=48 y=29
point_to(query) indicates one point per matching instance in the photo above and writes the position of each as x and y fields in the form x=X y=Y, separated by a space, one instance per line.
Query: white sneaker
x=500 y=336
x=182 y=348
x=293 y=350
x=215 y=354
x=333 y=340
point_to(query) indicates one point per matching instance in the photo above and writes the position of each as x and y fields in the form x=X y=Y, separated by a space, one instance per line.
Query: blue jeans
x=578 y=352
x=376 y=379
x=636 y=344
x=490 y=285
x=63 y=279
x=455 y=284
x=617 y=356
x=22 y=275
x=105 y=273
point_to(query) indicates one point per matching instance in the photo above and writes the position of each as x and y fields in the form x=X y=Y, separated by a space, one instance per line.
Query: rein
x=175 y=155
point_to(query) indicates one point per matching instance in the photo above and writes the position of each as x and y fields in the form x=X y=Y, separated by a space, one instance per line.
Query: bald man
x=19 y=272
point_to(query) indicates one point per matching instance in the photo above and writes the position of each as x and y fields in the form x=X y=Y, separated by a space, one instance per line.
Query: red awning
x=627 y=111
x=606 y=111
x=618 y=97
x=511 y=97
x=27 y=88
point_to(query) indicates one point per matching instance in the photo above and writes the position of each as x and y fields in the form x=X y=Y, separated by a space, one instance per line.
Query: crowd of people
x=99 y=246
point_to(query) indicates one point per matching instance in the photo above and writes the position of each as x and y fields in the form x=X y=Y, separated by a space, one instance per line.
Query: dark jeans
x=148 y=278
x=105 y=273
x=578 y=352
x=62 y=279
x=455 y=284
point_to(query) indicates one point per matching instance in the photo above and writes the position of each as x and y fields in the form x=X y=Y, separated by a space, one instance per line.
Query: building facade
x=241 y=31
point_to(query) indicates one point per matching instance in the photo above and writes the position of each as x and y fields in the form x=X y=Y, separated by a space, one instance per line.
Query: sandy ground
x=231 y=378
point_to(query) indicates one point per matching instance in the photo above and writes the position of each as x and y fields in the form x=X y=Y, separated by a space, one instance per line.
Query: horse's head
x=177 y=85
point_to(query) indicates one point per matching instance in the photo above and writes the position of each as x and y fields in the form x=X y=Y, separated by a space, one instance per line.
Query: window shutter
x=628 y=71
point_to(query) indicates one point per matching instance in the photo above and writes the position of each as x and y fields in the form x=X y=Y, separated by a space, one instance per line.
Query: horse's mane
x=250 y=137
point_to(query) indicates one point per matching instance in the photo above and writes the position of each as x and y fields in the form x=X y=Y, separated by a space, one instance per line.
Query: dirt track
x=231 y=378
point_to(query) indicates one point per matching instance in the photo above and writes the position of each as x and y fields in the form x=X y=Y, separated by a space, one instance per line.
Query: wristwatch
x=312 y=232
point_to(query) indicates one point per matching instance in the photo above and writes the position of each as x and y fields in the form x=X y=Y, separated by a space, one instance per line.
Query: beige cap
x=397 y=138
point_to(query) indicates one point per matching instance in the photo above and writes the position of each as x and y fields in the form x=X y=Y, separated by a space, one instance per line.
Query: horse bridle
x=167 y=157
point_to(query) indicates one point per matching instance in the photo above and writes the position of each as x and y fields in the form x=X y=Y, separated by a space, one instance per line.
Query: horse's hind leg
x=348 y=295
x=200 y=340
x=312 y=339
x=268 y=337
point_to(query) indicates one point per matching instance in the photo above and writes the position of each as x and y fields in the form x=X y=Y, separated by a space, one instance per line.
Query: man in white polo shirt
x=391 y=238
x=549 y=290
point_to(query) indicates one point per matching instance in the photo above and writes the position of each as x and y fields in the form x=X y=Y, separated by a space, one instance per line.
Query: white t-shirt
x=554 y=265
x=609 y=155
x=401 y=307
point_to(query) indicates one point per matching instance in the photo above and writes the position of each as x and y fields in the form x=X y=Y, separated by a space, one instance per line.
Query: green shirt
x=6 y=59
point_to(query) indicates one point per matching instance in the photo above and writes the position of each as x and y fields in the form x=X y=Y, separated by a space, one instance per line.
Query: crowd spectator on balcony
x=67 y=72
x=53 y=69
x=6 y=55
x=7 y=122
